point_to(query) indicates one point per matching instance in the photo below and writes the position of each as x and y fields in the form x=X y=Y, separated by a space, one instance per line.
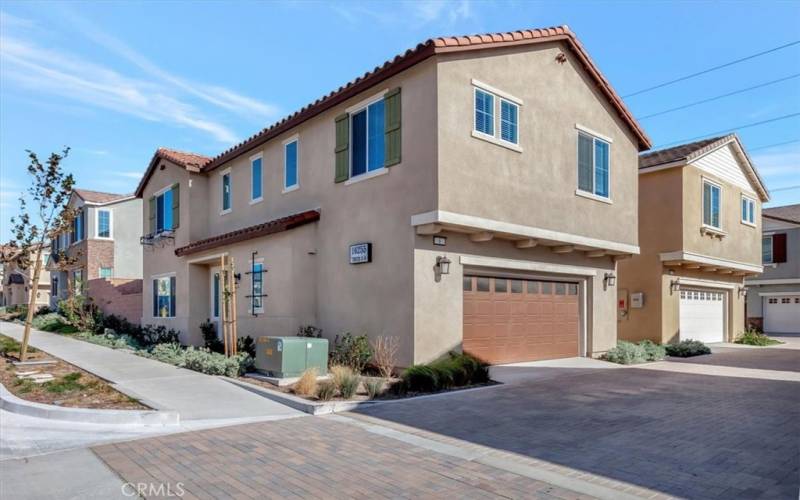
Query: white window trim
x=749 y=200
x=366 y=102
x=594 y=133
x=296 y=185
x=223 y=211
x=257 y=310
x=366 y=176
x=771 y=250
x=97 y=224
x=703 y=225
x=497 y=96
x=154 y=277
x=364 y=105
x=589 y=194
x=258 y=156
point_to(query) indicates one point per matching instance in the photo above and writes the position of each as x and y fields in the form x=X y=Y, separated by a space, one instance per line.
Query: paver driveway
x=687 y=435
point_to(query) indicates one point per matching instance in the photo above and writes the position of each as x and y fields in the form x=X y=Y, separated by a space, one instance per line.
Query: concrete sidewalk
x=159 y=385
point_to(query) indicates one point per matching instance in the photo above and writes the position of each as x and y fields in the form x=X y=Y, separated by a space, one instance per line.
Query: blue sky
x=115 y=80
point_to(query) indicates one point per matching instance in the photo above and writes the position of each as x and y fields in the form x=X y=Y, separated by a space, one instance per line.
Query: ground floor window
x=77 y=281
x=164 y=297
x=257 y=287
x=106 y=272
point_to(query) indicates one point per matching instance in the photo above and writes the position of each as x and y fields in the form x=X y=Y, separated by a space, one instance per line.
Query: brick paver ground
x=310 y=458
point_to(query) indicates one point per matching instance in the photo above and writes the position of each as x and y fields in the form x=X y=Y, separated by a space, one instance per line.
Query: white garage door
x=702 y=315
x=782 y=314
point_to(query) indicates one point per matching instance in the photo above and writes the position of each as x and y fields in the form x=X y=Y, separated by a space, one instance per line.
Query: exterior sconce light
x=443 y=264
x=742 y=291
x=237 y=277
x=675 y=285
x=610 y=279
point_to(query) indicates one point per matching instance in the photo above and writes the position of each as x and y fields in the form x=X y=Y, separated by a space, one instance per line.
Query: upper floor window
x=484 y=112
x=163 y=212
x=594 y=169
x=712 y=198
x=508 y=121
x=226 y=192
x=774 y=248
x=500 y=128
x=290 y=157
x=78 y=226
x=103 y=223
x=748 y=210
x=367 y=132
x=766 y=249
x=255 y=179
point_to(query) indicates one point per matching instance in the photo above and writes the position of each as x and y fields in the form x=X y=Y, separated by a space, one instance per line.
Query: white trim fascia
x=706 y=283
x=525 y=265
x=290 y=139
x=444 y=217
x=589 y=131
x=713 y=261
x=366 y=102
x=496 y=141
x=162 y=191
x=656 y=168
x=369 y=175
x=775 y=281
x=117 y=200
x=256 y=156
x=592 y=196
x=291 y=188
x=206 y=258
x=496 y=91
x=778 y=294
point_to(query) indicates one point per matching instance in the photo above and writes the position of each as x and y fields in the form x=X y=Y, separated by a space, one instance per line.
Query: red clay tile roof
x=419 y=54
x=190 y=161
x=98 y=196
x=247 y=233
x=786 y=213
x=676 y=153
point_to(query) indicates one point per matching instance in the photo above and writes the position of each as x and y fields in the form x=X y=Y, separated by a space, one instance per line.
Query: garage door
x=702 y=315
x=782 y=314
x=512 y=320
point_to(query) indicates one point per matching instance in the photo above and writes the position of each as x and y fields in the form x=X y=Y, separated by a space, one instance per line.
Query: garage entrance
x=782 y=314
x=702 y=315
x=512 y=320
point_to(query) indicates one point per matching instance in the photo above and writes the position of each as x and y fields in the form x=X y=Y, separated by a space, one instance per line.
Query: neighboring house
x=104 y=243
x=773 y=299
x=700 y=236
x=16 y=279
x=473 y=193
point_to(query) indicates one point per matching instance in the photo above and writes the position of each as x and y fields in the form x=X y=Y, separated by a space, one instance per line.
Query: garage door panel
x=702 y=315
x=782 y=314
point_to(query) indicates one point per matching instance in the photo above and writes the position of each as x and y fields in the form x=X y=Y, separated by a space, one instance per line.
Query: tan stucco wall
x=536 y=187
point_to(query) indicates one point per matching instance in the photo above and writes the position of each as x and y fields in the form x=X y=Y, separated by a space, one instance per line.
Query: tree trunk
x=34 y=289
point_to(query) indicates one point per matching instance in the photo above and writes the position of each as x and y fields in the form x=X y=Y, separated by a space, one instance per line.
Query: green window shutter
x=392 y=121
x=152 y=214
x=176 y=205
x=342 y=150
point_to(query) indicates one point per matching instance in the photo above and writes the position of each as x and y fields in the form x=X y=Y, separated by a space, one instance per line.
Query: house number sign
x=361 y=253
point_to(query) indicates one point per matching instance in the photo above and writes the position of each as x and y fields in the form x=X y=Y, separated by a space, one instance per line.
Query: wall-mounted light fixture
x=742 y=291
x=443 y=264
x=675 y=285
x=237 y=277
x=610 y=279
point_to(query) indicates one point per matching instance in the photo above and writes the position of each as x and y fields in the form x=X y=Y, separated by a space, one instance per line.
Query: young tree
x=48 y=195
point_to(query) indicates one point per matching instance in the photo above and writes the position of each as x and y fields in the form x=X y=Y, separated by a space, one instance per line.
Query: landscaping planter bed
x=71 y=387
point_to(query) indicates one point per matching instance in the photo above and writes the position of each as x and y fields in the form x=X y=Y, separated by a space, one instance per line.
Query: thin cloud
x=424 y=12
x=129 y=175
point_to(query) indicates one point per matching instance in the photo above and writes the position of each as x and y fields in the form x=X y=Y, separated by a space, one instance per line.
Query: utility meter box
x=285 y=357
x=637 y=300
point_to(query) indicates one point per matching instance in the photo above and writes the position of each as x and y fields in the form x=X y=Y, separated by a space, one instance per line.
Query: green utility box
x=285 y=357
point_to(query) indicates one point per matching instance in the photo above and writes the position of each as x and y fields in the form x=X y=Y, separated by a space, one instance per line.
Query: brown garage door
x=513 y=320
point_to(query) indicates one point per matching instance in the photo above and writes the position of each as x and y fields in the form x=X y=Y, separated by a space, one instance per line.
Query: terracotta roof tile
x=190 y=161
x=250 y=232
x=99 y=196
x=677 y=153
x=787 y=213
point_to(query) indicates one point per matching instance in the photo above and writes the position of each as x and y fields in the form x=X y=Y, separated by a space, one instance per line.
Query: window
x=467 y=283
x=500 y=286
x=77 y=281
x=483 y=284
x=290 y=153
x=484 y=112
x=164 y=297
x=508 y=121
x=711 y=202
x=367 y=129
x=54 y=286
x=593 y=165
x=748 y=210
x=226 y=192
x=257 y=302
x=78 y=224
x=255 y=179
x=766 y=249
x=106 y=272
x=164 y=211
x=104 y=224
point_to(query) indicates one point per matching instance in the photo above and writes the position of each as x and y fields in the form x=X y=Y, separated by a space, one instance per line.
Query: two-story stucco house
x=474 y=193
x=773 y=299
x=15 y=279
x=700 y=236
x=104 y=244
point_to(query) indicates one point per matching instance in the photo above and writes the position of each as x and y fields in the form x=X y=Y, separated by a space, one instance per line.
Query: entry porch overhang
x=707 y=264
x=481 y=229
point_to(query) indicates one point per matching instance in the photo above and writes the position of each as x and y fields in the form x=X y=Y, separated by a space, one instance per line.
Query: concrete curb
x=13 y=404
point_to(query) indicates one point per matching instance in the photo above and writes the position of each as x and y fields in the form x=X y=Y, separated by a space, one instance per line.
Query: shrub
x=211 y=363
x=43 y=310
x=754 y=337
x=626 y=353
x=211 y=340
x=246 y=345
x=420 y=378
x=49 y=322
x=111 y=340
x=309 y=331
x=79 y=312
x=384 y=354
x=121 y=326
x=307 y=385
x=351 y=351
x=475 y=370
x=446 y=371
x=173 y=354
x=326 y=391
x=153 y=335
x=345 y=380
x=653 y=351
x=687 y=348
x=374 y=387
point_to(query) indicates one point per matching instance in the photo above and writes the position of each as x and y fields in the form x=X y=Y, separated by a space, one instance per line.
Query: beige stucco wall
x=536 y=187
